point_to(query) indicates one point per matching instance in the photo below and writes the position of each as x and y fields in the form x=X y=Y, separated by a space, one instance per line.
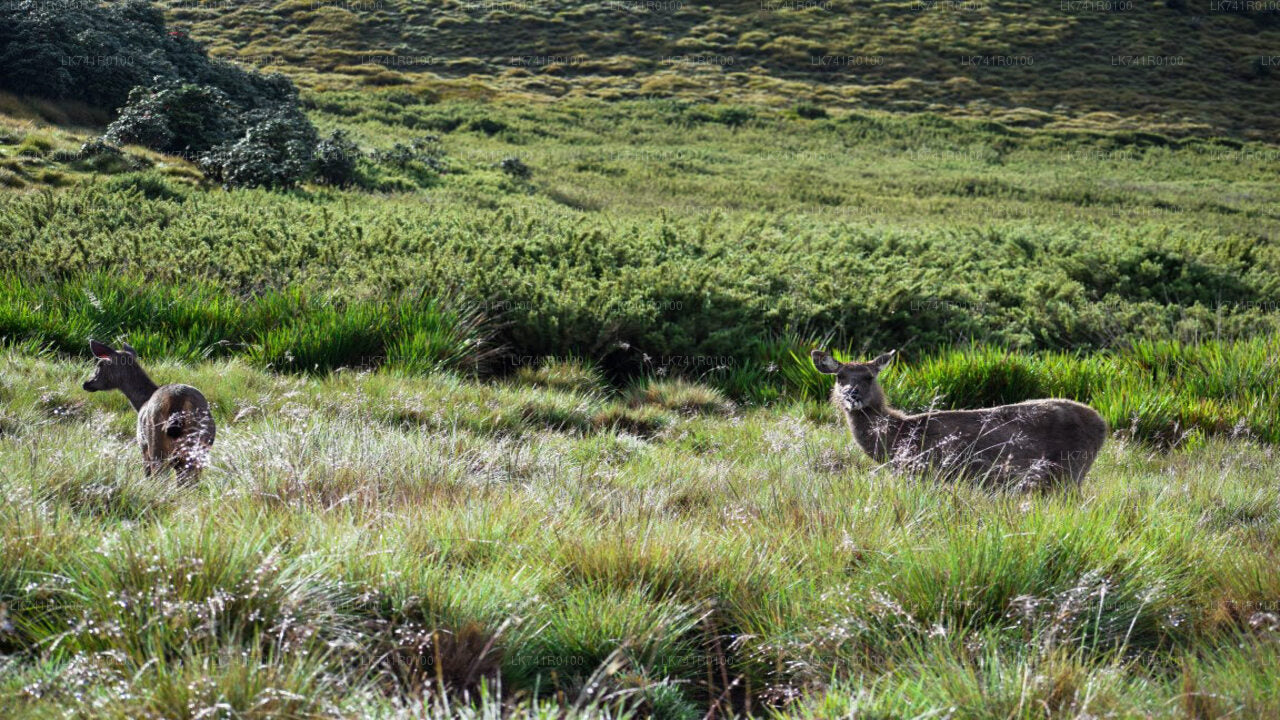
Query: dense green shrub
x=248 y=129
x=175 y=118
x=98 y=53
x=336 y=159
x=275 y=152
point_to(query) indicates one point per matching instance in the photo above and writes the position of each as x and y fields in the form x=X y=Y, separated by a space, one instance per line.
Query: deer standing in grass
x=175 y=427
x=1036 y=443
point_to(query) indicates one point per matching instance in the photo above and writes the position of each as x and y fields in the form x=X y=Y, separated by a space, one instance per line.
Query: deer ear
x=100 y=351
x=826 y=364
x=128 y=348
x=883 y=361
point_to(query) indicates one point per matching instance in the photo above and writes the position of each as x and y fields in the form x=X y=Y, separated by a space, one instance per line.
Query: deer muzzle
x=849 y=398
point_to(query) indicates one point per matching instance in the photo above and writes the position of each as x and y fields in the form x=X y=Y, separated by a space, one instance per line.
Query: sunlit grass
x=649 y=237
x=337 y=559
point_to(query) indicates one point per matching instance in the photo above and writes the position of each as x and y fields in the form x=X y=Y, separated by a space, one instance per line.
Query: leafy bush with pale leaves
x=276 y=152
x=246 y=129
x=175 y=118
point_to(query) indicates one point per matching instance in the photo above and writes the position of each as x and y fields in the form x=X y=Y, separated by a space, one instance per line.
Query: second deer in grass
x=1028 y=444
x=175 y=427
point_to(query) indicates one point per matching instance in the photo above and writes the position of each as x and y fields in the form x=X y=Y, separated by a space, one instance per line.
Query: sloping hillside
x=1166 y=66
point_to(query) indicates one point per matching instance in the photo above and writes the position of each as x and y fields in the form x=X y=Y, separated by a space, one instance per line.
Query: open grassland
x=364 y=537
x=1029 y=63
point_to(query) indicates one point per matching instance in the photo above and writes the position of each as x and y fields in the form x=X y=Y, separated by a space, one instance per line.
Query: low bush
x=176 y=118
x=336 y=159
x=247 y=129
x=276 y=151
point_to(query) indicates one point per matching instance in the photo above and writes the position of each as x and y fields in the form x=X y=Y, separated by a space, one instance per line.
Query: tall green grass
x=289 y=330
x=1166 y=392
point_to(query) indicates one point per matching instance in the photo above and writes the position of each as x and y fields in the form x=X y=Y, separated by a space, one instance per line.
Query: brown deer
x=175 y=427
x=1030 y=444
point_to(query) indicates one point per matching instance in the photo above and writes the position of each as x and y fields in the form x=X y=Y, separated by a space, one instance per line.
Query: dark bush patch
x=810 y=111
x=276 y=152
x=175 y=118
x=247 y=128
x=336 y=159
x=98 y=53
x=516 y=168
x=488 y=126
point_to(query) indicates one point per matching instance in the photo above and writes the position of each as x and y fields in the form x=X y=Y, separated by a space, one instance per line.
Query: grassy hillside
x=1176 y=67
x=363 y=538
x=695 y=231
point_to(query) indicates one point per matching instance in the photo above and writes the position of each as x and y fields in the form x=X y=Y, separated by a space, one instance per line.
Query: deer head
x=115 y=369
x=856 y=386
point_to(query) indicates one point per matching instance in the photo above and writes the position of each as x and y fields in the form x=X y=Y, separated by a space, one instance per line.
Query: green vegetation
x=1168 y=393
x=721 y=256
x=708 y=244
x=1157 y=65
x=515 y=415
x=99 y=54
x=364 y=537
x=283 y=330
x=164 y=92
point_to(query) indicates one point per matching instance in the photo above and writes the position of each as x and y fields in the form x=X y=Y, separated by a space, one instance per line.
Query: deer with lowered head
x=1030 y=444
x=175 y=427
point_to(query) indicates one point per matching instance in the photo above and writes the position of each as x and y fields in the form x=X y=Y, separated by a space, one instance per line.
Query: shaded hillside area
x=1170 y=66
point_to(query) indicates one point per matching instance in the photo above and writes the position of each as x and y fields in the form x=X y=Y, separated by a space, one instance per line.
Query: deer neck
x=875 y=428
x=138 y=387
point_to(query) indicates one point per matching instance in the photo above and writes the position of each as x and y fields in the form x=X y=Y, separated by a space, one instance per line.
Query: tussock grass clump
x=645 y=421
x=678 y=395
x=432 y=627
x=189 y=590
x=567 y=375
